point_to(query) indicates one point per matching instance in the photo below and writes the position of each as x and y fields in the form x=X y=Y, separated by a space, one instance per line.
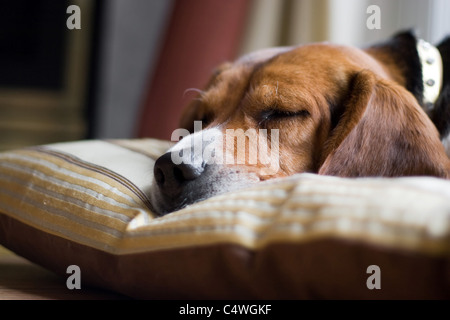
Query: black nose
x=171 y=177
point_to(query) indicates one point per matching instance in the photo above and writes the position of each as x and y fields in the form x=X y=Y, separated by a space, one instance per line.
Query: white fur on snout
x=225 y=172
x=205 y=146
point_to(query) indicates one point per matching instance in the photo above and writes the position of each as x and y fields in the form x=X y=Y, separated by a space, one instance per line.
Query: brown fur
x=358 y=119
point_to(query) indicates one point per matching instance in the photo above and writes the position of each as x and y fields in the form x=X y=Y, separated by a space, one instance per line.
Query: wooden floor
x=23 y=280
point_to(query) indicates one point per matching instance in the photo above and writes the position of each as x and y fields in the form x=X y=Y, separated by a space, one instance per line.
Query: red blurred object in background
x=201 y=34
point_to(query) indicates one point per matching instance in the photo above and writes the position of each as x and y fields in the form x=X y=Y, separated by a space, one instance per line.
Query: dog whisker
x=200 y=92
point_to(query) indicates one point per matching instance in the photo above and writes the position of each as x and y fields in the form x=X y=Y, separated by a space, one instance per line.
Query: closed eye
x=274 y=114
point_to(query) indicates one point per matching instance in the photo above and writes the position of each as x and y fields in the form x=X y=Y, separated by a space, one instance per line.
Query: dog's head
x=318 y=108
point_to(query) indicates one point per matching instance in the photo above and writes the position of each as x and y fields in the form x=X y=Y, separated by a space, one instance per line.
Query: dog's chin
x=162 y=204
x=198 y=190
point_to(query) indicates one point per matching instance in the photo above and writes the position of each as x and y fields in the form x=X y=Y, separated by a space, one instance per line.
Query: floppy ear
x=383 y=132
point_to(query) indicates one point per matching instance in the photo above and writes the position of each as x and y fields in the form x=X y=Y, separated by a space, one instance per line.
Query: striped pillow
x=307 y=236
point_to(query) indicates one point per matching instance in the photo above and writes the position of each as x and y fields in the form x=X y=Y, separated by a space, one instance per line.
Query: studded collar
x=432 y=72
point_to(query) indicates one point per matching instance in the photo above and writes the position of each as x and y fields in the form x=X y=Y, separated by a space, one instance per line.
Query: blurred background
x=124 y=73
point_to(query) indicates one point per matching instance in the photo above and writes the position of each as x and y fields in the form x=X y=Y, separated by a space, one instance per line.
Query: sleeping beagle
x=320 y=108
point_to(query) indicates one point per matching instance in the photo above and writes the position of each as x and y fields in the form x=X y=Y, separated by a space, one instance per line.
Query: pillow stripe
x=58 y=212
x=75 y=198
x=103 y=171
x=61 y=223
x=69 y=204
x=54 y=167
x=77 y=193
x=394 y=225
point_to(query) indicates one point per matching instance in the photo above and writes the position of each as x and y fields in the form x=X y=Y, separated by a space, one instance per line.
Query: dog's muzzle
x=194 y=176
